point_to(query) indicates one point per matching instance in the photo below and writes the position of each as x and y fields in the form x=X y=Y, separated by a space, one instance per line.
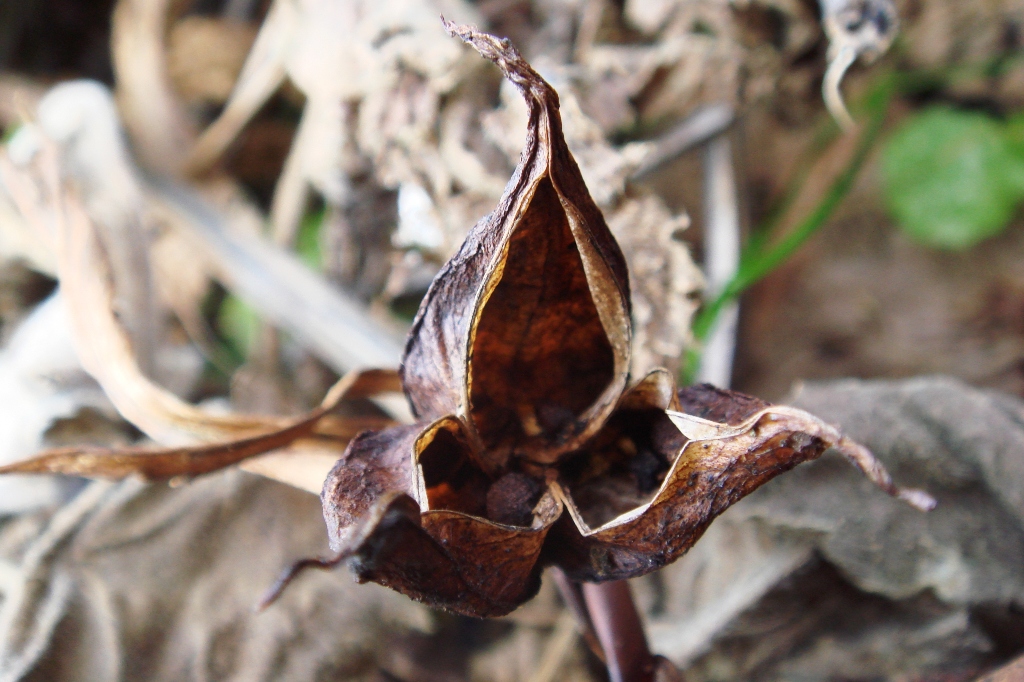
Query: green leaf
x=9 y=133
x=952 y=178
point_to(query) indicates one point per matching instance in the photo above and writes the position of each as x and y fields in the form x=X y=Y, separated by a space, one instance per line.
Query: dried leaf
x=221 y=237
x=339 y=55
x=262 y=73
x=165 y=463
x=107 y=354
x=152 y=113
x=157 y=463
x=205 y=56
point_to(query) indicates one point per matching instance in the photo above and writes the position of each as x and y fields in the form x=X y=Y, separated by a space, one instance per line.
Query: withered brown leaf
x=162 y=463
x=516 y=367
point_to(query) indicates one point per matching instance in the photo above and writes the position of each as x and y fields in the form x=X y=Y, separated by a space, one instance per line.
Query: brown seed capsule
x=516 y=367
x=516 y=363
x=525 y=333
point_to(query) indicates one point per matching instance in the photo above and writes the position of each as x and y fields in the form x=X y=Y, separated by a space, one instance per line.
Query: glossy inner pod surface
x=540 y=355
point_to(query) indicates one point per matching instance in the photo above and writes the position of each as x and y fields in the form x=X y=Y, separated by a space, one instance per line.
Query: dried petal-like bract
x=525 y=332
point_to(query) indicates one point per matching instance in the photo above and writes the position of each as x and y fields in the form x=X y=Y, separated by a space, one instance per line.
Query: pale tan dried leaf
x=103 y=346
x=80 y=118
x=106 y=352
x=338 y=54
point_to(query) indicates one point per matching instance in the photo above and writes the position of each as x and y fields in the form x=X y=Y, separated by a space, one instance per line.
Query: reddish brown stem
x=618 y=628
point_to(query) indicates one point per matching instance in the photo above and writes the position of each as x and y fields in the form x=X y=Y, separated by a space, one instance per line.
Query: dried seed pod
x=477 y=565
x=518 y=360
x=525 y=333
x=516 y=367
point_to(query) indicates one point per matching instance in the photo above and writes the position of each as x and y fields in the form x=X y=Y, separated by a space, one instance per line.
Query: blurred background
x=818 y=202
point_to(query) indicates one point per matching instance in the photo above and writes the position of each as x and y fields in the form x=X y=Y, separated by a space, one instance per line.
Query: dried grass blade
x=105 y=351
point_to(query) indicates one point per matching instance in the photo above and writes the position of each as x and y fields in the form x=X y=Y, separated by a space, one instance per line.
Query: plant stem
x=620 y=631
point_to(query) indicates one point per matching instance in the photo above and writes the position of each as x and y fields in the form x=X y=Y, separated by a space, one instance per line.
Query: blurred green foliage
x=9 y=133
x=307 y=243
x=953 y=178
x=239 y=325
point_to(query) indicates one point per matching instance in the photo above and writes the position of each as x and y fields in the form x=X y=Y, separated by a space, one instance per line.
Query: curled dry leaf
x=372 y=72
x=531 y=448
x=165 y=463
x=154 y=118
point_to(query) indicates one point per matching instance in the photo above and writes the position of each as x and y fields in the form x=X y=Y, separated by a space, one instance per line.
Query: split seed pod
x=531 y=447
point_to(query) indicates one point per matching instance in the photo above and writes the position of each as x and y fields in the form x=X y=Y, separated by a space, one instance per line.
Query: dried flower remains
x=532 y=447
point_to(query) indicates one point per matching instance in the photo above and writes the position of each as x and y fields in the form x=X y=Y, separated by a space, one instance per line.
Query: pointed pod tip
x=861 y=457
x=490 y=46
x=502 y=52
x=43 y=465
